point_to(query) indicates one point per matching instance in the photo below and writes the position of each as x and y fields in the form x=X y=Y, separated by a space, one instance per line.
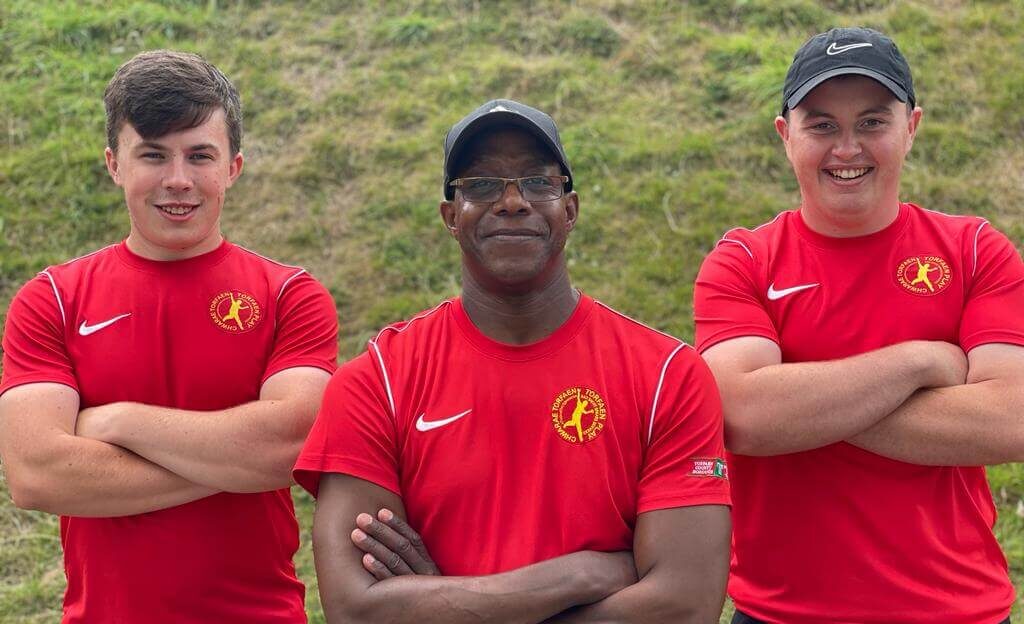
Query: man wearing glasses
x=561 y=462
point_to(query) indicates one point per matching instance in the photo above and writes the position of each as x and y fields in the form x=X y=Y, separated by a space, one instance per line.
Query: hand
x=392 y=547
x=948 y=364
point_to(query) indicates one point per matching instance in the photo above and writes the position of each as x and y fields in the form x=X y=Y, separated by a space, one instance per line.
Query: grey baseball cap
x=497 y=113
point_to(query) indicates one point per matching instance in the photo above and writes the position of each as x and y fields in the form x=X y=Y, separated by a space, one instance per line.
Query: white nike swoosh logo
x=774 y=295
x=85 y=329
x=833 y=49
x=427 y=425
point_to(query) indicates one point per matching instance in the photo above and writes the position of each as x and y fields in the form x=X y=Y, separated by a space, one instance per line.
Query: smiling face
x=847 y=140
x=174 y=186
x=510 y=245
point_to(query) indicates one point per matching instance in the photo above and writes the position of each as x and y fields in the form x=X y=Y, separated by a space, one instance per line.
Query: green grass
x=665 y=108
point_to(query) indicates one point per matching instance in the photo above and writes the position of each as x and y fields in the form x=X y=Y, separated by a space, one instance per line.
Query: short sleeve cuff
x=309 y=468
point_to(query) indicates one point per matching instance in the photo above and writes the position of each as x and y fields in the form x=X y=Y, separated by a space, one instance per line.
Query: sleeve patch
x=707 y=467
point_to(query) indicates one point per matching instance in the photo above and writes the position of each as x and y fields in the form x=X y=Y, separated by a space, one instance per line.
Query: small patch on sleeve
x=707 y=467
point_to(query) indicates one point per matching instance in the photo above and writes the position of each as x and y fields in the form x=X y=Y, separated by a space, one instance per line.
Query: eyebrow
x=199 y=147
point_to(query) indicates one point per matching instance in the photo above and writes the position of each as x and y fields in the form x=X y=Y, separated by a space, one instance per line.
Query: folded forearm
x=82 y=477
x=527 y=595
x=793 y=407
x=249 y=448
x=969 y=425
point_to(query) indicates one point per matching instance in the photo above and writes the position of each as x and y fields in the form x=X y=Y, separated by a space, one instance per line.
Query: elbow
x=742 y=438
x=27 y=493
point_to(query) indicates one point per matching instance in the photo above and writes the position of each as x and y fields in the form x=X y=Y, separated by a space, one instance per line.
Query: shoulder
x=754 y=243
x=412 y=331
x=644 y=341
x=280 y=276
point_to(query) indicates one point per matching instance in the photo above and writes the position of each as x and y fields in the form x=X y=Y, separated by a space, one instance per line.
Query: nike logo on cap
x=85 y=329
x=833 y=49
x=774 y=295
x=427 y=425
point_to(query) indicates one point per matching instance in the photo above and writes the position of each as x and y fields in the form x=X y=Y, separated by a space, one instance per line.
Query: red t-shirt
x=508 y=455
x=838 y=533
x=198 y=334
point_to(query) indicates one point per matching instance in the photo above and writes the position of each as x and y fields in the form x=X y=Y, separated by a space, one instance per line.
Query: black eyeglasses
x=532 y=188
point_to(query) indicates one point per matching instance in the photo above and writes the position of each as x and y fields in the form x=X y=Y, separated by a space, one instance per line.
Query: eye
x=873 y=123
x=152 y=155
x=200 y=156
x=538 y=182
x=480 y=184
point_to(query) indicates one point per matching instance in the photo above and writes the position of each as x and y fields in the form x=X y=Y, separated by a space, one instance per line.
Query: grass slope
x=665 y=108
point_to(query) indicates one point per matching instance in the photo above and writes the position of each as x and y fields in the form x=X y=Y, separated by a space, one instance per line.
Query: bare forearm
x=969 y=425
x=643 y=604
x=785 y=408
x=527 y=595
x=82 y=477
x=249 y=448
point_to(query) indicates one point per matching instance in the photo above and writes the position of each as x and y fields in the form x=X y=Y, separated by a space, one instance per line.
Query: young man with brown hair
x=156 y=392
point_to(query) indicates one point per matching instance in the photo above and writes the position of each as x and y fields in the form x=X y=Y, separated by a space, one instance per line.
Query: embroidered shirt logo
x=708 y=467
x=924 y=275
x=235 y=311
x=85 y=328
x=578 y=414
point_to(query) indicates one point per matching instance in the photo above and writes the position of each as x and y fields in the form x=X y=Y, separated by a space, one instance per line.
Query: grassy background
x=665 y=108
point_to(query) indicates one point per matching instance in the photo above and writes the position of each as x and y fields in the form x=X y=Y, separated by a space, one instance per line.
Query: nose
x=846 y=146
x=511 y=201
x=176 y=177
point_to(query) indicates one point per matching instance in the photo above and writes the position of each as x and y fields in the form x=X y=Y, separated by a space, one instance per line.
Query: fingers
x=376 y=568
x=393 y=543
x=402 y=528
x=380 y=553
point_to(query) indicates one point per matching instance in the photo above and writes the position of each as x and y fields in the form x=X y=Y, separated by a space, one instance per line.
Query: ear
x=235 y=169
x=112 y=166
x=782 y=128
x=448 y=211
x=913 y=122
x=572 y=210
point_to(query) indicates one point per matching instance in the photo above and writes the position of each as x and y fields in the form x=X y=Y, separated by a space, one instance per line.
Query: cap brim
x=497 y=118
x=806 y=88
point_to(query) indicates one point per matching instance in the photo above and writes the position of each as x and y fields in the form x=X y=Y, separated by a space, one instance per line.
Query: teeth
x=176 y=210
x=849 y=174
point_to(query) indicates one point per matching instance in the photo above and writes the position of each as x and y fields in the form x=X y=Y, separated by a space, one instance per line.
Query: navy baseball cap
x=845 y=51
x=497 y=113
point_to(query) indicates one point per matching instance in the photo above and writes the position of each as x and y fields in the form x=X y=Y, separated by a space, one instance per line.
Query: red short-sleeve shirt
x=504 y=455
x=199 y=334
x=840 y=531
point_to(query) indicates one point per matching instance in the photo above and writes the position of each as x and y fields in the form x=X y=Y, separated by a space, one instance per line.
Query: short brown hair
x=164 y=91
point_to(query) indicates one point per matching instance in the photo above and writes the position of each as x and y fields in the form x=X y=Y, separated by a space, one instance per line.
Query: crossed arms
x=130 y=458
x=923 y=402
x=681 y=562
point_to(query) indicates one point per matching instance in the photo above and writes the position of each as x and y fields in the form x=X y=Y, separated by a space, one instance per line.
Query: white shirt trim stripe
x=285 y=284
x=56 y=294
x=657 y=391
x=387 y=382
x=733 y=240
x=380 y=356
x=977 y=233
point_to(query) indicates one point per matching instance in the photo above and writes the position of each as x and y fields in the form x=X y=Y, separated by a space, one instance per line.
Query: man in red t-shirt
x=869 y=355
x=549 y=451
x=156 y=392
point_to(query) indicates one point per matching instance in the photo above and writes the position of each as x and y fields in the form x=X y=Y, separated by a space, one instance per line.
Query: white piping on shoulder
x=285 y=284
x=977 y=233
x=657 y=391
x=56 y=294
x=380 y=356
